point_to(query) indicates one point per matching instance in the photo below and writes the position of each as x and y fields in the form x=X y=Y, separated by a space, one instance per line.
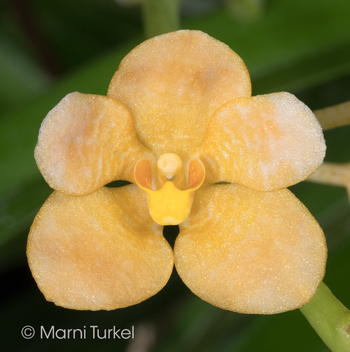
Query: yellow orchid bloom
x=177 y=120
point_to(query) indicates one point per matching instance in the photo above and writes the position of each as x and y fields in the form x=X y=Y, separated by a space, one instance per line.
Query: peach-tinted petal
x=173 y=83
x=250 y=251
x=85 y=142
x=265 y=142
x=101 y=251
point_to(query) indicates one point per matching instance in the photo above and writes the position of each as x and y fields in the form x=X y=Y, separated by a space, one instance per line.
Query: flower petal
x=101 y=251
x=85 y=142
x=173 y=83
x=250 y=251
x=265 y=142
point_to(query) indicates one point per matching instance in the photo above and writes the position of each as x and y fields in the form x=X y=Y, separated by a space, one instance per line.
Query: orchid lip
x=171 y=202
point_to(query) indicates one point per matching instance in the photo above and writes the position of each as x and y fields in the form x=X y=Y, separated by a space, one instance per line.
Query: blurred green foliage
x=51 y=48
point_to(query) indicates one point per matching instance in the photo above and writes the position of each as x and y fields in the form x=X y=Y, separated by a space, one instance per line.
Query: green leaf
x=21 y=77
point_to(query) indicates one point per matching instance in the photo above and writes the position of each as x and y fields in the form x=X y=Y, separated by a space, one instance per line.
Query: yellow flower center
x=170 y=203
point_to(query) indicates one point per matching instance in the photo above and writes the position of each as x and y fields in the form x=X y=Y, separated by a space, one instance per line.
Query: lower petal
x=101 y=251
x=250 y=251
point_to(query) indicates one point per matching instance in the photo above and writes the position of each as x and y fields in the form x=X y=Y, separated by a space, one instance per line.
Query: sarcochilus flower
x=180 y=124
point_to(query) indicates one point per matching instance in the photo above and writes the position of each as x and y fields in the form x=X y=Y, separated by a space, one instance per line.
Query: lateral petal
x=85 y=142
x=173 y=83
x=249 y=251
x=266 y=142
x=101 y=251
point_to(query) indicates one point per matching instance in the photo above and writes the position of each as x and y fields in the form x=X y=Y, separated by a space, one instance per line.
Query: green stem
x=330 y=319
x=161 y=16
x=245 y=10
x=334 y=116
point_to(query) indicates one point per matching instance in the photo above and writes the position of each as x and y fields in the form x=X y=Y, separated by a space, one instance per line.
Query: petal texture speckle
x=173 y=83
x=267 y=142
x=250 y=251
x=85 y=142
x=101 y=251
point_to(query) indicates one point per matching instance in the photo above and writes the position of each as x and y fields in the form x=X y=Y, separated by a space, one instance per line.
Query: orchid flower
x=180 y=124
